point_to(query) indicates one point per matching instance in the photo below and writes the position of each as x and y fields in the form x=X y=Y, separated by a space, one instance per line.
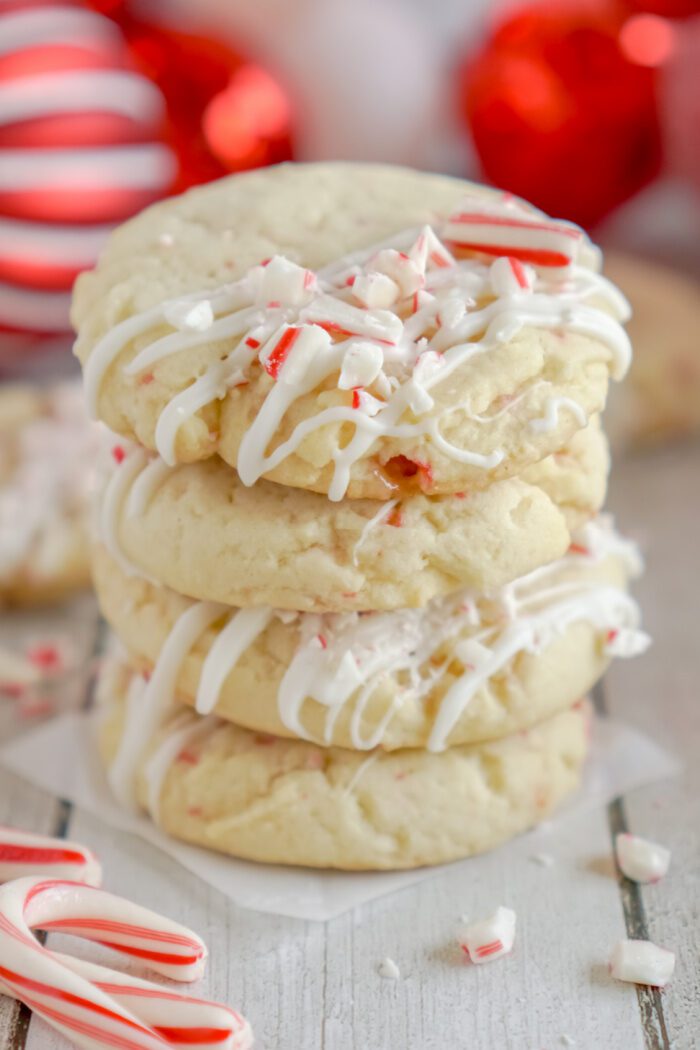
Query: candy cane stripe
x=92 y=1003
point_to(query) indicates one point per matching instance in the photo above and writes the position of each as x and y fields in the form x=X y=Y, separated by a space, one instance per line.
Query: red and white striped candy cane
x=180 y=1019
x=95 y=1006
x=24 y=853
x=533 y=240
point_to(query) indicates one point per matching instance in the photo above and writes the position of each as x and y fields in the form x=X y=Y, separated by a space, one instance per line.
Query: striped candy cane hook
x=96 y=1007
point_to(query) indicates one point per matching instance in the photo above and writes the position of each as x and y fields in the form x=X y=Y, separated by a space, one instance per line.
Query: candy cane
x=179 y=1019
x=530 y=240
x=95 y=1006
x=24 y=853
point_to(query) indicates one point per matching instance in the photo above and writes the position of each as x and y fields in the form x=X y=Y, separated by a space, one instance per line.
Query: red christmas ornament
x=562 y=107
x=224 y=113
x=79 y=151
x=100 y=116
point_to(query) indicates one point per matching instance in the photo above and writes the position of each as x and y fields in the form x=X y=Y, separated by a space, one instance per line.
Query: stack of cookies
x=351 y=546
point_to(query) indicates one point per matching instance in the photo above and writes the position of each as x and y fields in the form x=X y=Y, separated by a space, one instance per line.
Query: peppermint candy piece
x=642 y=962
x=489 y=939
x=641 y=860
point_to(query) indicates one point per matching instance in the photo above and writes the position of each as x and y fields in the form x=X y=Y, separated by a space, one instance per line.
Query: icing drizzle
x=391 y=325
x=344 y=657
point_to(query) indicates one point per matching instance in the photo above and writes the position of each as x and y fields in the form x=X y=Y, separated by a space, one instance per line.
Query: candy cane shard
x=24 y=853
x=529 y=239
x=642 y=962
x=490 y=938
x=641 y=860
x=94 y=1006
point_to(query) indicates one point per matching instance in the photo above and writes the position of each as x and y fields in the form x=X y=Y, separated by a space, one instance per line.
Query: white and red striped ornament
x=95 y=1006
x=24 y=853
x=79 y=152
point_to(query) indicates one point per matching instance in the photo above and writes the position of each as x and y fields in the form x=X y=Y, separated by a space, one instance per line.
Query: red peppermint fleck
x=279 y=352
x=46 y=657
x=194 y=811
x=403 y=257
x=188 y=757
x=309 y=279
x=266 y=262
x=395 y=518
x=441 y=261
x=356 y=398
x=349 y=281
x=578 y=548
x=144 y=380
x=426 y=475
x=489 y=949
x=273 y=304
x=333 y=328
x=322 y=640
x=460 y=495
x=252 y=343
x=518 y=271
x=415 y=306
x=118 y=454
x=611 y=635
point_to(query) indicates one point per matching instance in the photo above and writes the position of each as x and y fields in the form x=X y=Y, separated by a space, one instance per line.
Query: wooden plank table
x=312 y=986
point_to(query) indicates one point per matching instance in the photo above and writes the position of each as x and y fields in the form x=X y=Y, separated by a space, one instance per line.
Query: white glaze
x=346 y=656
x=553 y=407
x=445 y=306
x=148 y=702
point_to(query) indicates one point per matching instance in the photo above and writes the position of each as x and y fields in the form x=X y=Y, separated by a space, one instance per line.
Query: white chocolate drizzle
x=418 y=315
x=149 y=702
x=344 y=657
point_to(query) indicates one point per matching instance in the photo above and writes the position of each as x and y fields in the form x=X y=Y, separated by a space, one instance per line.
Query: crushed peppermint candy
x=185 y=315
x=626 y=641
x=642 y=962
x=388 y=970
x=361 y=365
x=641 y=860
x=283 y=281
x=375 y=290
x=528 y=238
x=509 y=276
x=490 y=938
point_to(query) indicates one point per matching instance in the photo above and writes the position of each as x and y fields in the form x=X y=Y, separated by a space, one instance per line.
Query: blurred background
x=588 y=108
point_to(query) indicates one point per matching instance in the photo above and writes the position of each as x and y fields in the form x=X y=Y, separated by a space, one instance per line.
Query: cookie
x=464 y=668
x=46 y=445
x=290 y=802
x=257 y=318
x=197 y=529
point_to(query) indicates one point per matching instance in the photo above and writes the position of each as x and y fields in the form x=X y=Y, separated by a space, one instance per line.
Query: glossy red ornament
x=559 y=113
x=224 y=113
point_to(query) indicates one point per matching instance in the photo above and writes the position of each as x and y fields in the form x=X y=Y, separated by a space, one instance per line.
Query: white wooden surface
x=309 y=986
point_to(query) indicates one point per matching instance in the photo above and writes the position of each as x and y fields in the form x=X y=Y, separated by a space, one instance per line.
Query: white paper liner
x=61 y=758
